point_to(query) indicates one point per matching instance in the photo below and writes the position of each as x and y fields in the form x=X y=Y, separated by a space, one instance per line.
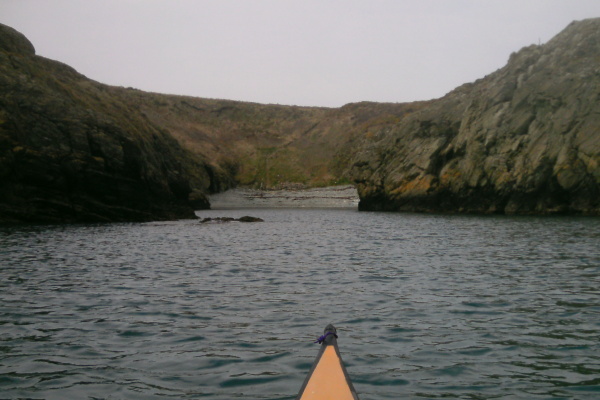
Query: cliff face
x=71 y=151
x=525 y=139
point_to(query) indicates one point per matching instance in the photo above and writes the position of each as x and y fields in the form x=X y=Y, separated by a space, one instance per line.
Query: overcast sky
x=303 y=52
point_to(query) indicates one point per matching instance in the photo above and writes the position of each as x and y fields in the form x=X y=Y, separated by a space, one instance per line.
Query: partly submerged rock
x=250 y=219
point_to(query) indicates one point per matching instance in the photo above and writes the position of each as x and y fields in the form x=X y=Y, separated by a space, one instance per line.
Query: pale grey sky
x=303 y=52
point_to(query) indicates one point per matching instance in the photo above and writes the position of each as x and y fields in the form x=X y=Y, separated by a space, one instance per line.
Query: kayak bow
x=328 y=378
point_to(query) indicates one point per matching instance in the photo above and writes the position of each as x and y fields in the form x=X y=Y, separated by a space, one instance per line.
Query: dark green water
x=426 y=306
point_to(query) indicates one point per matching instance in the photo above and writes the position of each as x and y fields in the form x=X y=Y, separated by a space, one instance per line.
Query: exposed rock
x=525 y=139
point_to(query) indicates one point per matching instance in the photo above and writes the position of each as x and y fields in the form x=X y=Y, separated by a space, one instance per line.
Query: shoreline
x=327 y=197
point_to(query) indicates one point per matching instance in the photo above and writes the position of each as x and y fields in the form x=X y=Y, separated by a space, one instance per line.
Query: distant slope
x=71 y=151
x=264 y=146
x=523 y=140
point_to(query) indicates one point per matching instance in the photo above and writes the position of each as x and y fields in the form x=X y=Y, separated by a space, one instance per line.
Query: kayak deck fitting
x=328 y=378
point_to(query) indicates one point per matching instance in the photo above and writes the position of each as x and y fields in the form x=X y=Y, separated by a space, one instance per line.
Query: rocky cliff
x=523 y=140
x=71 y=151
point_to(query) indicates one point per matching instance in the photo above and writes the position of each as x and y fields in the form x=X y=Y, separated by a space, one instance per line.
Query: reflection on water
x=426 y=306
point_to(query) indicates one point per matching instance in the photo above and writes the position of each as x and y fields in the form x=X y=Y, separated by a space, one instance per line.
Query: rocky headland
x=523 y=140
x=71 y=151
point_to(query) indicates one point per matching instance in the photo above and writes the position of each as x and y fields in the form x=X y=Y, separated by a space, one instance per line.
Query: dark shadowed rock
x=71 y=151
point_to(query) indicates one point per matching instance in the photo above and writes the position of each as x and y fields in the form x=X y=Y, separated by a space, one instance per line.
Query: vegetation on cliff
x=264 y=146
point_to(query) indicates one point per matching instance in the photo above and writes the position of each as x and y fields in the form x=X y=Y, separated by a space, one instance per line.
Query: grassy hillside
x=266 y=146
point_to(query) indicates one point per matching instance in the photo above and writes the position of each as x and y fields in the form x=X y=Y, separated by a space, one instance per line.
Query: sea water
x=427 y=306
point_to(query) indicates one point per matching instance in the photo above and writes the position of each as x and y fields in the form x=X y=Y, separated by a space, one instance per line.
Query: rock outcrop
x=523 y=140
x=71 y=151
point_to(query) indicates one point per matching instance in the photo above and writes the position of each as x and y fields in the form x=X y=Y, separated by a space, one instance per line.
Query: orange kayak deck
x=328 y=378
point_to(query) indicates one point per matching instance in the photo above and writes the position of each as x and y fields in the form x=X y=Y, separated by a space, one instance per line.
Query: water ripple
x=426 y=306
